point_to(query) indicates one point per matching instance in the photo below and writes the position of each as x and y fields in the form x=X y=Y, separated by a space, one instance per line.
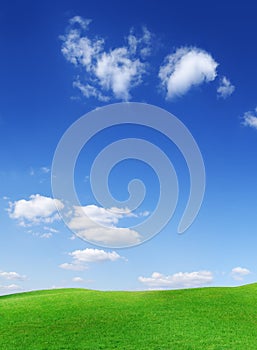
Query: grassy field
x=206 y=318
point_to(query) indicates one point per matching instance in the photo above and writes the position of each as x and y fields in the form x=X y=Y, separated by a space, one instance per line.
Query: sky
x=66 y=59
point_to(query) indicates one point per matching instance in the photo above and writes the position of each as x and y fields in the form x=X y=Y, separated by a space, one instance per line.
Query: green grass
x=76 y=319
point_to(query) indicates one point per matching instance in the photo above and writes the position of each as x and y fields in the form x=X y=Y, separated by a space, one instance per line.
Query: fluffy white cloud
x=12 y=276
x=238 y=273
x=38 y=209
x=226 y=88
x=178 y=280
x=117 y=70
x=250 y=119
x=81 y=258
x=97 y=225
x=186 y=68
x=90 y=255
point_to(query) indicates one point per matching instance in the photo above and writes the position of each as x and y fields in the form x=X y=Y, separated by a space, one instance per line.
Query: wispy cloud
x=187 y=67
x=114 y=71
x=177 y=280
x=225 y=88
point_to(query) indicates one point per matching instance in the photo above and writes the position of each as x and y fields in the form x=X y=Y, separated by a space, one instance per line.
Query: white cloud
x=90 y=255
x=250 y=119
x=88 y=90
x=46 y=235
x=50 y=229
x=45 y=169
x=38 y=209
x=81 y=50
x=75 y=266
x=81 y=258
x=117 y=70
x=10 y=288
x=12 y=276
x=178 y=280
x=78 y=280
x=97 y=225
x=186 y=68
x=84 y=23
x=238 y=273
x=226 y=88
x=141 y=45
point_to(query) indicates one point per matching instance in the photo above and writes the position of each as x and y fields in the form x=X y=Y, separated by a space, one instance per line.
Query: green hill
x=205 y=318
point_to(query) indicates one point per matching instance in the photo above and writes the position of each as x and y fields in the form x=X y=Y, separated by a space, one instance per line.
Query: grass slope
x=76 y=319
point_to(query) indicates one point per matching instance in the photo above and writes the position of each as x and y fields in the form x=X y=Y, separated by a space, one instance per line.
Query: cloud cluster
x=117 y=70
x=11 y=276
x=185 y=68
x=37 y=209
x=98 y=225
x=81 y=258
x=226 y=88
x=90 y=222
x=177 y=280
x=114 y=72
x=238 y=273
x=250 y=119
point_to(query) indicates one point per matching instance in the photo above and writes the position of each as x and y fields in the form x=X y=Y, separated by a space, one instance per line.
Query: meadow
x=78 y=319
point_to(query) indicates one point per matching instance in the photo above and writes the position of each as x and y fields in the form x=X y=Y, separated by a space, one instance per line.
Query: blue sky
x=60 y=61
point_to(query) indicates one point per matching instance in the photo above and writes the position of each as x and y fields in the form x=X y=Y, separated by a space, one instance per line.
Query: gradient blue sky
x=39 y=101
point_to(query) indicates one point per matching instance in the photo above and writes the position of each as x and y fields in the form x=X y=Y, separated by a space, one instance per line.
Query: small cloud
x=10 y=288
x=90 y=255
x=46 y=235
x=84 y=23
x=238 y=273
x=78 y=280
x=12 y=276
x=250 y=119
x=72 y=237
x=226 y=88
x=81 y=258
x=45 y=169
x=50 y=229
x=73 y=266
x=177 y=280
x=187 y=67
